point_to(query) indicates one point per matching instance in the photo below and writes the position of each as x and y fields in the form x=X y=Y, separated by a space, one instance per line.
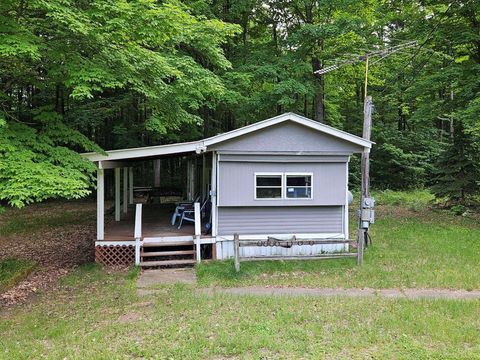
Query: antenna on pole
x=366 y=211
x=377 y=55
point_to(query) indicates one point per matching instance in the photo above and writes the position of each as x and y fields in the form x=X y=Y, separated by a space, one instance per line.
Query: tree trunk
x=206 y=121
x=319 y=98
x=59 y=101
x=305 y=106
x=318 y=101
x=245 y=36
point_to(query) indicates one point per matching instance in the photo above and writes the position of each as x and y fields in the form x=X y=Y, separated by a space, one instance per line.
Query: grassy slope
x=13 y=271
x=412 y=247
x=97 y=315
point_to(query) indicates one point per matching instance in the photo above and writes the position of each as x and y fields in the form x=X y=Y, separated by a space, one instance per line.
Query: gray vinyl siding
x=280 y=220
x=288 y=137
x=237 y=183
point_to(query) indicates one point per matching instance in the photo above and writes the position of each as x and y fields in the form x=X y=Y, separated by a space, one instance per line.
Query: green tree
x=457 y=173
x=106 y=69
x=132 y=73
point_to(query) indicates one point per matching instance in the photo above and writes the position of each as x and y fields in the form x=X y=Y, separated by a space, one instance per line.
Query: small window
x=268 y=186
x=298 y=186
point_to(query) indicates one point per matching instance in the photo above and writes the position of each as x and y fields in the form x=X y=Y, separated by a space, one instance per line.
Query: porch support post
x=117 y=194
x=138 y=232
x=213 y=194
x=190 y=180
x=130 y=185
x=204 y=190
x=198 y=228
x=156 y=179
x=100 y=203
x=125 y=190
x=156 y=173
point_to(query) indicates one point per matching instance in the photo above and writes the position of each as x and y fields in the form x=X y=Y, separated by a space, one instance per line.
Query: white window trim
x=298 y=174
x=283 y=186
x=268 y=174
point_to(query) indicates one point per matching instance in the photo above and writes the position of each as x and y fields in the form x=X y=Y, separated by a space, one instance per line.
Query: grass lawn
x=97 y=315
x=13 y=271
x=413 y=247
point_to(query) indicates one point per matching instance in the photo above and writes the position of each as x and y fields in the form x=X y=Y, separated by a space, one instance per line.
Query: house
x=282 y=177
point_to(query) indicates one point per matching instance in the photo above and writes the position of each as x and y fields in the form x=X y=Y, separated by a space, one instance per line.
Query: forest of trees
x=86 y=75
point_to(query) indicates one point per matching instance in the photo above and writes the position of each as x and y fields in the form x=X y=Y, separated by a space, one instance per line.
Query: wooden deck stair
x=167 y=253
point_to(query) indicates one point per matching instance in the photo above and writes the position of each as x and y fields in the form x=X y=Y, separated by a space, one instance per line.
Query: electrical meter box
x=367 y=215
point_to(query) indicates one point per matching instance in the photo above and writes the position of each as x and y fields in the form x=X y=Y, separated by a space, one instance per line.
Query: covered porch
x=146 y=191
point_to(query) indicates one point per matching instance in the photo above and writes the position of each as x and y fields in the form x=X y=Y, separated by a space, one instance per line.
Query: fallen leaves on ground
x=55 y=248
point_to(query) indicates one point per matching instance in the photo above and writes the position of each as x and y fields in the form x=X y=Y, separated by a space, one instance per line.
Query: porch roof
x=202 y=145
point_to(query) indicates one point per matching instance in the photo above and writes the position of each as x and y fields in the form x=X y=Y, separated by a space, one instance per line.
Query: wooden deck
x=155 y=223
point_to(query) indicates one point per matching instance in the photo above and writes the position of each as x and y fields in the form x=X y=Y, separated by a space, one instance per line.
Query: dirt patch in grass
x=340 y=292
x=57 y=236
x=129 y=317
x=43 y=279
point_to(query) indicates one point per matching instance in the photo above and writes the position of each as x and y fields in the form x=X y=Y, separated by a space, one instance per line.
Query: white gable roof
x=202 y=145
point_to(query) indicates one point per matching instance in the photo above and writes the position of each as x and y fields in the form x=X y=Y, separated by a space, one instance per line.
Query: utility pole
x=365 y=169
x=365 y=165
x=366 y=204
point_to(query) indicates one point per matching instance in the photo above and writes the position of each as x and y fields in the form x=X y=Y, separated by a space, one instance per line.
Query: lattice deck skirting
x=115 y=255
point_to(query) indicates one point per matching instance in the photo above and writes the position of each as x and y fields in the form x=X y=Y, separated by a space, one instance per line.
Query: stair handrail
x=138 y=232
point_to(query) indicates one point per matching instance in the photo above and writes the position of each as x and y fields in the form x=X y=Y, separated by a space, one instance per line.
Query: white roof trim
x=295 y=118
x=201 y=145
x=146 y=151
